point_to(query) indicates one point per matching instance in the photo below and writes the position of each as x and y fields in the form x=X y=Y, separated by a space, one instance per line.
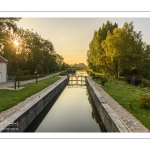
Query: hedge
x=29 y=77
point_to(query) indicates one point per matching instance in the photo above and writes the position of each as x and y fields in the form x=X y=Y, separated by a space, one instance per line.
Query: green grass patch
x=128 y=97
x=10 y=98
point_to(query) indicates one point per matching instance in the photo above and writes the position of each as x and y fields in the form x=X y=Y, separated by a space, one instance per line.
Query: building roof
x=3 y=60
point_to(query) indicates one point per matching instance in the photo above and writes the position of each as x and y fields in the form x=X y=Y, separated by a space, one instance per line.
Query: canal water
x=71 y=111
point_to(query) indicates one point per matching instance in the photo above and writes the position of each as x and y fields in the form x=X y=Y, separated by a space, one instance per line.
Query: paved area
x=129 y=120
x=10 y=84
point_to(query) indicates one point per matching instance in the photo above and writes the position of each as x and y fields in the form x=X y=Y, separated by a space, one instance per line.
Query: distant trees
x=122 y=52
x=32 y=52
x=80 y=66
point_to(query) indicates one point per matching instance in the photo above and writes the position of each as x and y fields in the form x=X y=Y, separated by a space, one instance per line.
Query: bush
x=128 y=79
x=136 y=81
x=96 y=77
x=133 y=80
x=64 y=73
x=145 y=84
x=26 y=72
x=29 y=77
x=103 y=81
x=145 y=101
x=19 y=72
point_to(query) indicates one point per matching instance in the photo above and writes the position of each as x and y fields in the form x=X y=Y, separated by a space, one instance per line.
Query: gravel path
x=11 y=83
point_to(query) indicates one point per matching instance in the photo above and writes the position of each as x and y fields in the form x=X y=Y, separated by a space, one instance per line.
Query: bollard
x=18 y=84
x=15 y=84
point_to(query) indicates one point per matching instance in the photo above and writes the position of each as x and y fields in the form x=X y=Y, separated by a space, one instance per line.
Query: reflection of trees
x=95 y=115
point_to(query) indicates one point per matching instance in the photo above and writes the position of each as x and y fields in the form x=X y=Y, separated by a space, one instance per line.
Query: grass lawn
x=9 y=98
x=127 y=96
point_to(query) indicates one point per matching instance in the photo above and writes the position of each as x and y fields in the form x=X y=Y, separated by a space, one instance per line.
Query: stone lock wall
x=20 y=120
x=108 y=116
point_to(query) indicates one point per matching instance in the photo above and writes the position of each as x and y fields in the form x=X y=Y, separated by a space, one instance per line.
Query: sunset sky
x=71 y=36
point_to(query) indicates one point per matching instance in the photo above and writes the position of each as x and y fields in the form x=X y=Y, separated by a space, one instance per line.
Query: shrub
x=103 y=81
x=64 y=73
x=29 y=77
x=19 y=72
x=145 y=84
x=96 y=77
x=26 y=72
x=133 y=80
x=145 y=101
x=136 y=81
x=128 y=79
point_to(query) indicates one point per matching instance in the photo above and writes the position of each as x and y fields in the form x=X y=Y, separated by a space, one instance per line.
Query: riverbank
x=37 y=92
x=25 y=112
x=133 y=124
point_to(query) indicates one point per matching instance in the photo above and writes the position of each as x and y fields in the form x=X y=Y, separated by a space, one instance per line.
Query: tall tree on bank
x=123 y=50
x=31 y=52
x=95 y=54
x=7 y=25
x=119 y=51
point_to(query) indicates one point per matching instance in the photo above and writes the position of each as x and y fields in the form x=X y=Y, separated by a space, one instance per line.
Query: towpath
x=133 y=124
x=10 y=84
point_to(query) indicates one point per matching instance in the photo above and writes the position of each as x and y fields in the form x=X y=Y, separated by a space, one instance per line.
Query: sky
x=71 y=36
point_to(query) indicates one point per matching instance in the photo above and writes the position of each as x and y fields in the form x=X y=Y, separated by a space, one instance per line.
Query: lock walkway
x=6 y=85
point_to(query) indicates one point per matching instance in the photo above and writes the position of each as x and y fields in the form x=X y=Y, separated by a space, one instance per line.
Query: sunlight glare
x=16 y=43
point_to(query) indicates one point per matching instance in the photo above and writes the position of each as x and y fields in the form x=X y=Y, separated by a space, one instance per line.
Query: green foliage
x=97 y=76
x=134 y=80
x=95 y=55
x=104 y=80
x=80 y=66
x=119 y=52
x=19 y=72
x=145 y=101
x=32 y=53
x=128 y=97
x=26 y=72
x=10 y=98
x=64 y=73
x=28 y=77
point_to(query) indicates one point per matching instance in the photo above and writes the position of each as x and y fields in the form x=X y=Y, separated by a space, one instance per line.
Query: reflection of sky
x=70 y=113
x=71 y=36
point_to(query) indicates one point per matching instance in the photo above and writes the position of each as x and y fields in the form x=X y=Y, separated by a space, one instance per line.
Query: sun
x=16 y=42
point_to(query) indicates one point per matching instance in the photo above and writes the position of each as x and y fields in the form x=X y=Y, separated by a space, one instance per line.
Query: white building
x=3 y=69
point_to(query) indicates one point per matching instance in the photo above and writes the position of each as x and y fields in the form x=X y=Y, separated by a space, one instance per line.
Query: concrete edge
x=23 y=117
x=110 y=119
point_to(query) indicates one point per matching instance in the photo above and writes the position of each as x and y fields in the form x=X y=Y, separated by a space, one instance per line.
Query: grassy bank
x=128 y=97
x=10 y=98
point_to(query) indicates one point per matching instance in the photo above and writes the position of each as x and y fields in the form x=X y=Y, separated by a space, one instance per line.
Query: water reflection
x=69 y=112
x=95 y=114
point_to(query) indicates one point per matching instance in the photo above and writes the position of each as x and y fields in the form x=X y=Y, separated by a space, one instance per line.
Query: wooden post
x=15 y=84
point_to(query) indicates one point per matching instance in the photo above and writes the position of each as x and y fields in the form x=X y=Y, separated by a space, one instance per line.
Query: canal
x=71 y=111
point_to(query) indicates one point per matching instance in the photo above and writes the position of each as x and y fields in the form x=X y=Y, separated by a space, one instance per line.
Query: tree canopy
x=26 y=51
x=120 y=52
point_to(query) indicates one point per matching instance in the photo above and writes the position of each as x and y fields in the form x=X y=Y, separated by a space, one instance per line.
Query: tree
x=7 y=25
x=123 y=50
x=95 y=54
x=32 y=53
